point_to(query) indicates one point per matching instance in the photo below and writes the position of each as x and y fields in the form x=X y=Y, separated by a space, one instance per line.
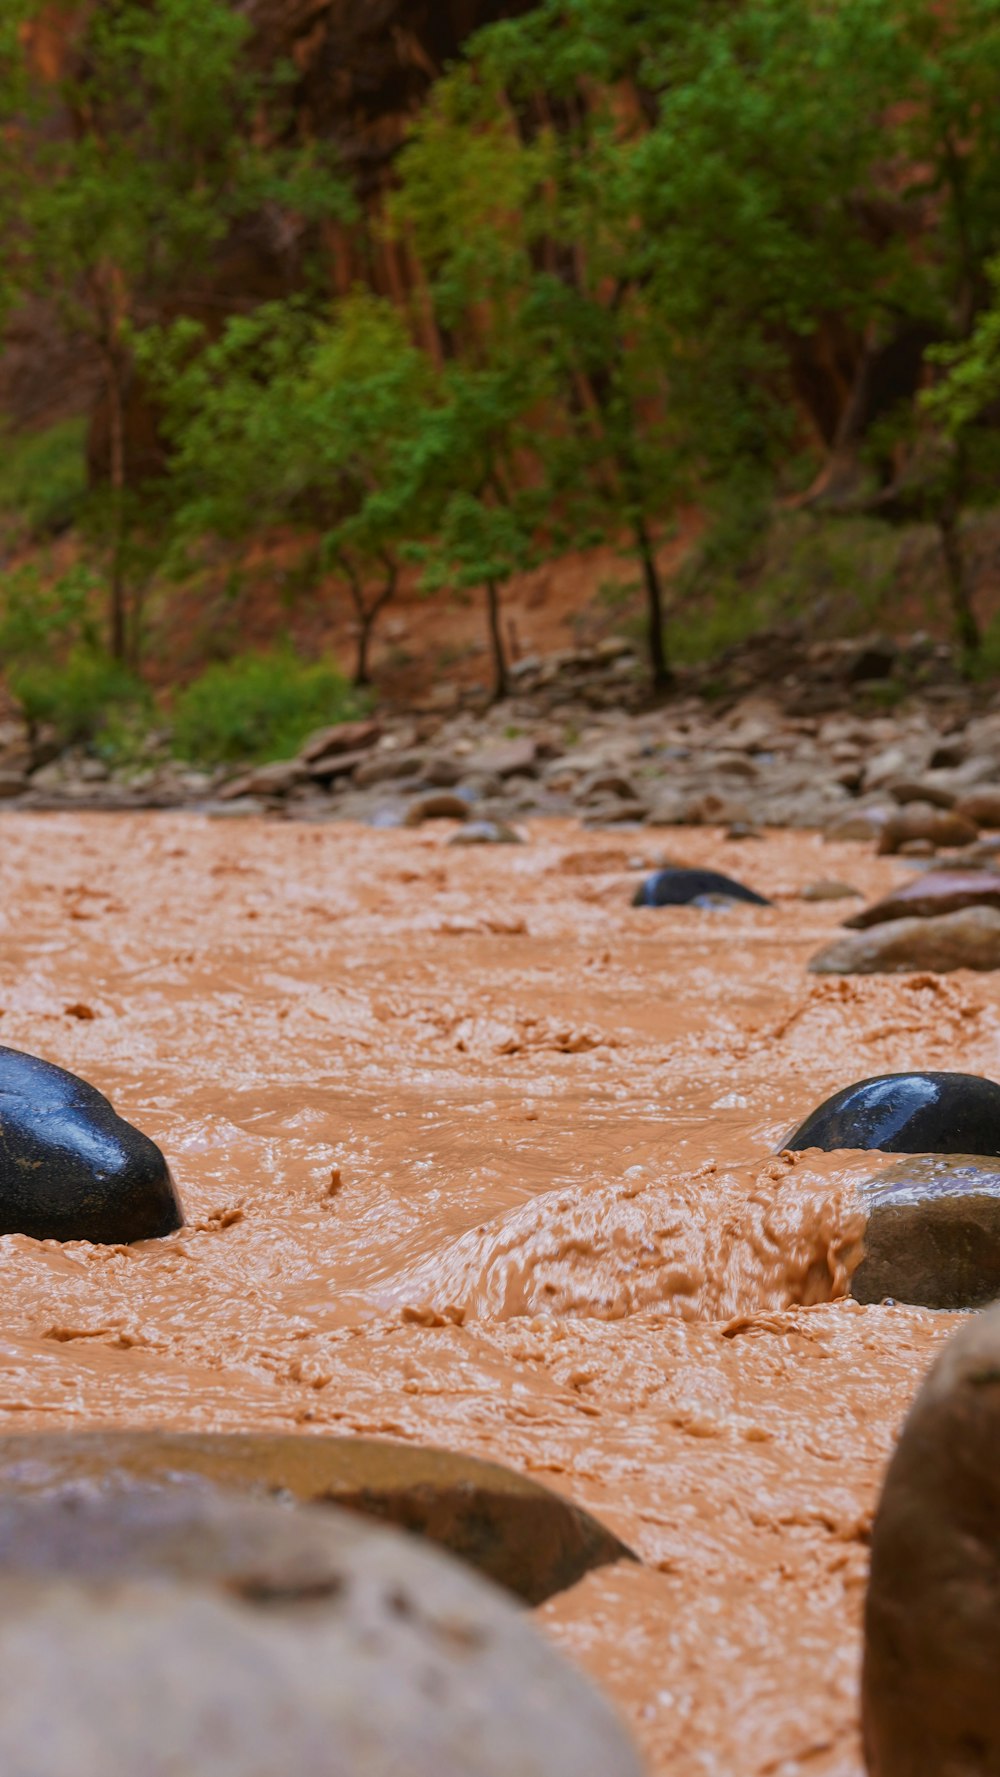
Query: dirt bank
x=474 y=1153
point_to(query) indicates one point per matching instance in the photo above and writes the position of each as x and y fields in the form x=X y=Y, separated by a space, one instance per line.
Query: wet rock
x=828 y=889
x=969 y=939
x=527 y=1539
x=981 y=807
x=175 y=1633
x=921 y=821
x=12 y=783
x=440 y=806
x=344 y=737
x=486 y=833
x=930 y=1698
x=938 y=892
x=932 y=1235
x=70 y=1167
x=682 y=887
x=916 y=1113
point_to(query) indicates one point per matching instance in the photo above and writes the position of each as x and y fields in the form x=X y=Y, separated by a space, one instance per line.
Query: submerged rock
x=918 y=1113
x=521 y=1535
x=969 y=939
x=929 y=896
x=932 y=1235
x=930 y=1697
x=70 y=1167
x=682 y=888
x=829 y=889
x=486 y=833
x=171 y=1633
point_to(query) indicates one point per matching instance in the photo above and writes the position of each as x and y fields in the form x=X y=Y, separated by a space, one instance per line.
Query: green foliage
x=77 y=695
x=43 y=478
x=259 y=706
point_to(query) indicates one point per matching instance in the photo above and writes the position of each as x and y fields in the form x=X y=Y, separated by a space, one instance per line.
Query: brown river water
x=475 y=1154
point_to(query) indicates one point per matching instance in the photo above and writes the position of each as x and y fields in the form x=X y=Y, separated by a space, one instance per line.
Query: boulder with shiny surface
x=70 y=1167
x=684 y=888
x=917 y=1113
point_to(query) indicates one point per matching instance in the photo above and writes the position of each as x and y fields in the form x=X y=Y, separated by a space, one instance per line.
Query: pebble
x=486 y=833
x=930 y=1697
x=168 y=1631
x=912 y=1113
x=70 y=1167
x=969 y=939
x=442 y=806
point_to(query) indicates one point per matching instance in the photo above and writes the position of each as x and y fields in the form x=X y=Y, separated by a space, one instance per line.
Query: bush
x=260 y=706
x=76 y=696
x=43 y=477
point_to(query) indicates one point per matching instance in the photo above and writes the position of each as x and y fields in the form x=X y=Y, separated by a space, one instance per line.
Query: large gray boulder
x=930 y=1690
x=155 y=1635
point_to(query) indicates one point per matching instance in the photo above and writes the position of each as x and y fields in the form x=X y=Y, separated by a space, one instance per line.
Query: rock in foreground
x=933 y=1234
x=684 y=888
x=70 y=1167
x=175 y=1633
x=518 y=1533
x=925 y=1113
x=930 y=1697
x=969 y=939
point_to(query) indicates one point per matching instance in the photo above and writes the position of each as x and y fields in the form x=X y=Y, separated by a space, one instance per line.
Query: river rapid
x=475 y=1154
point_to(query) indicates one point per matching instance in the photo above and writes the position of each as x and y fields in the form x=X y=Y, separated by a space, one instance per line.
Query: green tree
x=120 y=180
x=302 y=418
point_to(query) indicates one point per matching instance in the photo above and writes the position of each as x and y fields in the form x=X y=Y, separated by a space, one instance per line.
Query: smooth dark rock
x=932 y=1235
x=925 y=1113
x=70 y=1167
x=681 y=888
x=930 y=1696
x=519 y=1534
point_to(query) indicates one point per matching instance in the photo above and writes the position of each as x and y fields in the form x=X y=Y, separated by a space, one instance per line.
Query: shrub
x=77 y=695
x=43 y=477
x=260 y=706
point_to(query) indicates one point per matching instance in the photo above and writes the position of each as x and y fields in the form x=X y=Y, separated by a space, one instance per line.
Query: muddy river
x=475 y=1154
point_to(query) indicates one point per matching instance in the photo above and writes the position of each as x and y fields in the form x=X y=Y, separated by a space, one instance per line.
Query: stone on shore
x=932 y=1234
x=167 y=1633
x=70 y=1167
x=440 y=806
x=914 y=1113
x=982 y=806
x=920 y=821
x=969 y=939
x=929 y=896
x=523 y=1536
x=344 y=737
x=930 y=1696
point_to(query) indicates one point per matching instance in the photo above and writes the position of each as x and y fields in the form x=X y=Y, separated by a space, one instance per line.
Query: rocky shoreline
x=802 y=747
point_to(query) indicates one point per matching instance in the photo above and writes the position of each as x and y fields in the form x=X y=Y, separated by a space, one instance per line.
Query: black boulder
x=70 y=1167
x=925 y=1113
x=680 y=887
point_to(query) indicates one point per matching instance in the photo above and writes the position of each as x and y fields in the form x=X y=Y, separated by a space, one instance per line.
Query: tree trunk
x=963 y=615
x=660 y=668
x=366 y=623
x=501 y=683
x=118 y=614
